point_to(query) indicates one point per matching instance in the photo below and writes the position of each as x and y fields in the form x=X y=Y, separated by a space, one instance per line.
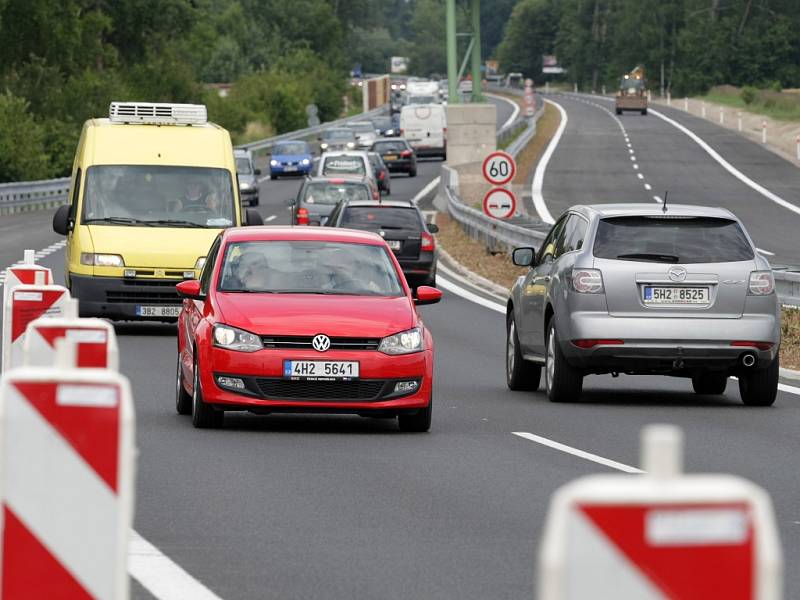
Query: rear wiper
x=649 y=257
x=175 y=222
x=118 y=221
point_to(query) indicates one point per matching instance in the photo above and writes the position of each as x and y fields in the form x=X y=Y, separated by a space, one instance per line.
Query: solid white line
x=728 y=166
x=538 y=177
x=576 y=452
x=767 y=252
x=467 y=295
x=424 y=191
x=790 y=389
x=513 y=114
x=270 y=218
x=160 y=575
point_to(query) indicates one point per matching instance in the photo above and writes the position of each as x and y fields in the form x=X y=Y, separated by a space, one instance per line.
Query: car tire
x=183 y=400
x=759 y=387
x=520 y=373
x=644 y=111
x=563 y=382
x=619 y=111
x=710 y=384
x=413 y=172
x=203 y=415
x=273 y=177
x=419 y=422
x=254 y=201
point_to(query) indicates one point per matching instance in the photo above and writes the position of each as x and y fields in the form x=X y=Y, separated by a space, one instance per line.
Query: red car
x=303 y=319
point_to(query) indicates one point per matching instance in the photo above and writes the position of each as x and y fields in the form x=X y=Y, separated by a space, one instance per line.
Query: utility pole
x=473 y=52
x=452 y=51
x=477 y=93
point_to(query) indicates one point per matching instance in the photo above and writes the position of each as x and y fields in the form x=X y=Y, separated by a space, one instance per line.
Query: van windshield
x=158 y=196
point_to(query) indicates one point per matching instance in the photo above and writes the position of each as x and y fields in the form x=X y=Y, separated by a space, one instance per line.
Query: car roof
x=391 y=139
x=633 y=209
x=339 y=179
x=386 y=203
x=280 y=142
x=264 y=233
x=337 y=153
x=241 y=152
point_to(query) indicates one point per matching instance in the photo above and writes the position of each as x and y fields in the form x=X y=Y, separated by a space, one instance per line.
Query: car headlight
x=404 y=342
x=244 y=185
x=305 y=161
x=390 y=132
x=201 y=262
x=232 y=338
x=323 y=145
x=351 y=144
x=274 y=162
x=101 y=260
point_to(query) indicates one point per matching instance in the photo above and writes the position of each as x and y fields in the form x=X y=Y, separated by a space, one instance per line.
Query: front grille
x=303 y=342
x=133 y=291
x=286 y=389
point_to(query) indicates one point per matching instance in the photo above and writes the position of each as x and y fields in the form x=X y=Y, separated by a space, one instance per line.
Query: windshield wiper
x=175 y=222
x=647 y=256
x=119 y=221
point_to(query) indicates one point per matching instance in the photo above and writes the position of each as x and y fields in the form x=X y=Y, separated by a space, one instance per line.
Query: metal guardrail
x=787 y=285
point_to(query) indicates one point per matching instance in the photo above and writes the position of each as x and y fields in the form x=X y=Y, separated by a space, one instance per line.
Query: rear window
x=672 y=239
x=381 y=217
x=332 y=193
x=384 y=147
x=338 y=134
x=340 y=165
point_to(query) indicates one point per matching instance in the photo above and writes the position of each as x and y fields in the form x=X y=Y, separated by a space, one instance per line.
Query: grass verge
x=790 y=345
x=528 y=158
x=781 y=106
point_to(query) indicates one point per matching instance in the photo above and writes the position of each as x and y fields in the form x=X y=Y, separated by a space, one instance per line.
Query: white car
x=346 y=164
x=364 y=131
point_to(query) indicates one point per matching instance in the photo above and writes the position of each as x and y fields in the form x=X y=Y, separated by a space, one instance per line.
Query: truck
x=632 y=93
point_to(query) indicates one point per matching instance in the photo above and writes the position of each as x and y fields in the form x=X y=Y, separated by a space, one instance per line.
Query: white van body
x=425 y=128
x=422 y=88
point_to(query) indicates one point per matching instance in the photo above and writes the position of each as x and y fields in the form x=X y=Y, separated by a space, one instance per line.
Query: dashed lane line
x=607 y=462
x=270 y=218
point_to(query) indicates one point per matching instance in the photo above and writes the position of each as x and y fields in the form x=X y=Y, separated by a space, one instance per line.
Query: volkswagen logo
x=677 y=273
x=321 y=342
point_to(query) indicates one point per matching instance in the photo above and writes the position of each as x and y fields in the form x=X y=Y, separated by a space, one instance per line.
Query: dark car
x=397 y=155
x=403 y=227
x=385 y=127
x=381 y=172
x=318 y=196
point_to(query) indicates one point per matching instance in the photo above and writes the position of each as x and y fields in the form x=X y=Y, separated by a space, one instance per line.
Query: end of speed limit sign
x=499 y=168
x=499 y=203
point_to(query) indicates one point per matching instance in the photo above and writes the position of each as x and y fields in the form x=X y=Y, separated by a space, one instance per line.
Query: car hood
x=310 y=314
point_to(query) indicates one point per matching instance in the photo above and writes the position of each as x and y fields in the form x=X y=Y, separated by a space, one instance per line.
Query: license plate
x=390 y=157
x=675 y=295
x=320 y=369
x=158 y=311
x=289 y=169
x=394 y=244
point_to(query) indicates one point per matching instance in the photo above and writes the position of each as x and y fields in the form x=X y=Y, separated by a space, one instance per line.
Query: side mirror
x=190 y=289
x=257 y=171
x=523 y=257
x=61 y=220
x=433 y=228
x=425 y=294
x=253 y=217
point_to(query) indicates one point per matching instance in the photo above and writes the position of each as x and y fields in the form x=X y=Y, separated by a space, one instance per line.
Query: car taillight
x=444 y=131
x=406 y=153
x=402 y=132
x=587 y=281
x=585 y=344
x=757 y=345
x=381 y=175
x=761 y=283
x=428 y=243
x=302 y=216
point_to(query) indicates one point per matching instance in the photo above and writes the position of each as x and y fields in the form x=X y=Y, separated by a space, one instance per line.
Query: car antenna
x=664 y=205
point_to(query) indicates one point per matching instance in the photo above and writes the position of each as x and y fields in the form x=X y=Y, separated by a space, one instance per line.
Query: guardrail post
x=797 y=143
x=669 y=98
x=575 y=87
x=739 y=117
x=764 y=131
x=686 y=103
x=703 y=109
x=721 y=116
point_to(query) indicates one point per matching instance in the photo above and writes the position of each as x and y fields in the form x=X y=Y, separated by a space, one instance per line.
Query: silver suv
x=636 y=289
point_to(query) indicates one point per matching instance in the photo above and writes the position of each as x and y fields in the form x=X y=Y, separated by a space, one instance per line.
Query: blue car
x=292 y=157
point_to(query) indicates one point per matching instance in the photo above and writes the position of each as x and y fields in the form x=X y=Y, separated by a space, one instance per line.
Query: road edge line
x=513 y=114
x=538 y=176
x=426 y=190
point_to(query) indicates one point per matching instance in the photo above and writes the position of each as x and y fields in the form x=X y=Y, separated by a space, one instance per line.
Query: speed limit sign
x=499 y=203
x=499 y=168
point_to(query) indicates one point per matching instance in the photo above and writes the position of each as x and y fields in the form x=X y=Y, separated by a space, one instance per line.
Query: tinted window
x=338 y=134
x=208 y=268
x=332 y=193
x=384 y=147
x=549 y=245
x=339 y=165
x=381 y=217
x=309 y=267
x=243 y=166
x=571 y=237
x=362 y=127
x=672 y=239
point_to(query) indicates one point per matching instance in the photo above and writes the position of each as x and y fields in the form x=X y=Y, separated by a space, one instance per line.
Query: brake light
x=761 y=283
x=302 y=216
x=402 y=132
x=381 y=175
x=406 y=153
x=428 y=243
x=444 y=131
x=586 y=344
x=587 y=281
x=757 y=345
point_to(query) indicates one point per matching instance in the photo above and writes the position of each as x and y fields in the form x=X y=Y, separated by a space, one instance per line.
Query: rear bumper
x=117 y=298
x=631 y=103
x=417 y=271
x=403 y=166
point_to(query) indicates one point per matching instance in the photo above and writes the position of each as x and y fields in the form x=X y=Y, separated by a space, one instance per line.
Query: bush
x=749 y=94
x=22 y=142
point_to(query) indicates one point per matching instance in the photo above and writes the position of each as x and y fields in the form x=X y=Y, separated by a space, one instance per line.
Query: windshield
x=338 y=134
x=672 y=239
x=158 y=196
x=381 y=217
x=343 y=165
x=243 y=166
x=389 y=147
x=332 y=193
x=292 y=148
x=309 y=267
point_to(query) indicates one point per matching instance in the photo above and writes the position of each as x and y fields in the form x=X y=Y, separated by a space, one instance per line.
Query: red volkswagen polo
x=303 y=319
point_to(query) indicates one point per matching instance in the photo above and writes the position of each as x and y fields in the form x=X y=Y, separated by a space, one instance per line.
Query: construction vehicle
x=632 y=94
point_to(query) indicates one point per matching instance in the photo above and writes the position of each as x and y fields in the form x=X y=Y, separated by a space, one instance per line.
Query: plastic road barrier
x=26 y=303
x=661 y=535
x=66 y=481
x=95 y=340
x=25 y=274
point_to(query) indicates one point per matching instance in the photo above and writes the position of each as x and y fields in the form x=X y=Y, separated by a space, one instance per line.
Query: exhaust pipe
x=748 y=359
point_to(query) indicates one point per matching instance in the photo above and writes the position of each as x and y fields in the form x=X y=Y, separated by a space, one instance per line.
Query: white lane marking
x=648 y=187
x=514 y=113
x=767 y=252
x=789 y=389
x=640 y=176
x=425 y=191
x=538 y=177
x=467 y=295
x=635 y=166
x=160 y=576
x=728 y=166
x=270 y=218
x=577 y=452
x=630 y=149
x=633 y=158
x=657 y=199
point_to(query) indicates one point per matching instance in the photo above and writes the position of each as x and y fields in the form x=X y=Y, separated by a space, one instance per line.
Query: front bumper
x=249 y=195
x=290 y=169
x=117 y=298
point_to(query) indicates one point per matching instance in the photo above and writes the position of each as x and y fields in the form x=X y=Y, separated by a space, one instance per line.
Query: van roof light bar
x=158 y=113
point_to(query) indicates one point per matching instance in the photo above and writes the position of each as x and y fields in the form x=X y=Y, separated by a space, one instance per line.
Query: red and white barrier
x=25 y=274
x=661 y=535
x=66 y=481
x=26 y=303
x=95 y=340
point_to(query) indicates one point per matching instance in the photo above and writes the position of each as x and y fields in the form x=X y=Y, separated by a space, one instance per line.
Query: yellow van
x=152 y=186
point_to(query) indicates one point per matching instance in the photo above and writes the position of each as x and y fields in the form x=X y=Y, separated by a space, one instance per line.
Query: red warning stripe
x=23 y=312
x=98 y=448
x=88 y=354
x=27 y=275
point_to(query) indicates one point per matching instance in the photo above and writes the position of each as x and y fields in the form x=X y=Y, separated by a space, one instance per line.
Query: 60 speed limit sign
x=499 y=168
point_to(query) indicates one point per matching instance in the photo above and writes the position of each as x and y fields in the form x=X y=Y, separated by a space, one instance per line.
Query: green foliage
x=22 y=143
x=749 y=94
x=531 y=32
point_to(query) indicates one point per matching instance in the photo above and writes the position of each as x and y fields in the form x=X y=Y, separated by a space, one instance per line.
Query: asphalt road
x=342 y=507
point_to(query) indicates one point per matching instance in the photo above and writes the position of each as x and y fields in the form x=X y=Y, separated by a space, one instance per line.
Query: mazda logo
x=321 y=342
x=677 y=273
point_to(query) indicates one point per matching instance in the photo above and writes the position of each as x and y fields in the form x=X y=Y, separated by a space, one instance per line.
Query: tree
x=531 y=32
x=22 y=147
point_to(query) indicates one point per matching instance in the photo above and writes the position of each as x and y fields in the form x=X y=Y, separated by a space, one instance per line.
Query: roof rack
x=158 y=113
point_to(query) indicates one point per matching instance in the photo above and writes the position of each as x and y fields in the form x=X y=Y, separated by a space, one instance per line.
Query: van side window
x=76 y=192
